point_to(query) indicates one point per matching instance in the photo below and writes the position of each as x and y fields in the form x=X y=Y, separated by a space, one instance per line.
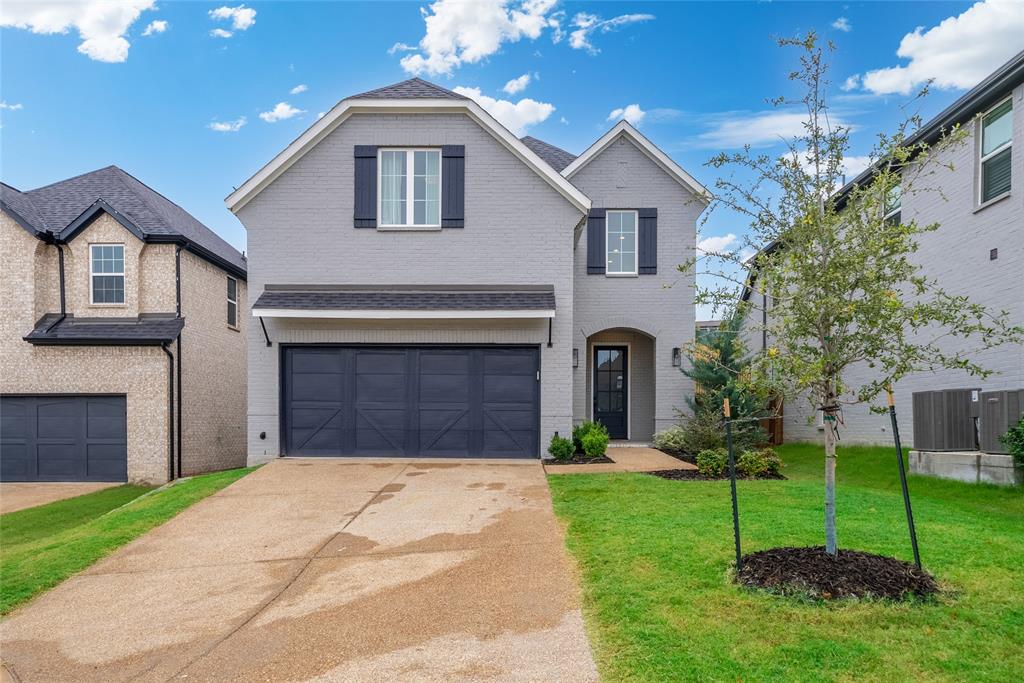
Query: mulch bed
x=850 y=574
x=694 y=475
x=578 y=459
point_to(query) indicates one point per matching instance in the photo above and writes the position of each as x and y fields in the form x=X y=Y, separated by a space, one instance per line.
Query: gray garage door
x=63 y=438
x=411 y=402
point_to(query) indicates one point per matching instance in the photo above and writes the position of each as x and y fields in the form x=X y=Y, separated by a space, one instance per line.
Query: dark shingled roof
x=412 y=89
x=556 y=157
x=52 y=208
x=20 y=204
x=420 y=298
x=146 y=330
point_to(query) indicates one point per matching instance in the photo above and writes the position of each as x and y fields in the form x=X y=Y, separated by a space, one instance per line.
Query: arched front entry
x=620 y=383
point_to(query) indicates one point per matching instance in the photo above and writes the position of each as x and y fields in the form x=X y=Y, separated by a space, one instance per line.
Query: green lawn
x=42 y=546
x=655 y=556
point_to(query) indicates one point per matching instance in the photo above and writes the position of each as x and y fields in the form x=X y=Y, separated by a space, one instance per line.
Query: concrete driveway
x=326 y=570
x=20 y=496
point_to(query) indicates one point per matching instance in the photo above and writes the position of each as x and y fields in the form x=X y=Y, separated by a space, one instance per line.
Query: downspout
x=170 y=412
x=63 y=306
x=177 y=311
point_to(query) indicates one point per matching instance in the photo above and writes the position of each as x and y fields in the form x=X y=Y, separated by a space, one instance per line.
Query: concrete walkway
x=626 y=459
x=326 y=570
x=19 y=496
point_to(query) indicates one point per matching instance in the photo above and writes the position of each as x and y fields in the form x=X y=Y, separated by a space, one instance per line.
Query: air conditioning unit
x=1000 y=410
x=946 y=420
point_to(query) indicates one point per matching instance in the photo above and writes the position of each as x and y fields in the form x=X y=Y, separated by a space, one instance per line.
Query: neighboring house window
x=410 y=187
x=106 y=272
x=232 y=302
x=894 y=205
x=621 y=242
x=996 y=144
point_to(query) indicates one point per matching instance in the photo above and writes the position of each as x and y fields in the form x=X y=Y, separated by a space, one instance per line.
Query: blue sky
x=82 y=86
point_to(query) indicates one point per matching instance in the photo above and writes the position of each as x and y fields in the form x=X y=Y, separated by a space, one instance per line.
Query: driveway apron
x=326 y=570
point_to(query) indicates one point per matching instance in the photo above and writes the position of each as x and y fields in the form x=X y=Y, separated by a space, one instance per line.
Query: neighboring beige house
x=122 y=336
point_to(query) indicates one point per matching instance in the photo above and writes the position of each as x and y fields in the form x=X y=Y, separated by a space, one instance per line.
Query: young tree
x=838 y=267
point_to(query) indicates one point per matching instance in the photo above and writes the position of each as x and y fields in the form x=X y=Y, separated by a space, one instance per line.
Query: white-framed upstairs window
x=996 y=151
x=232 y=302
x=106 y=274
x=894 y=205
x=620 y=242
x=409 y=188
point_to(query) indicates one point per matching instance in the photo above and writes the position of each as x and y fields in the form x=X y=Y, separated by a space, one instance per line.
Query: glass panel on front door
x=610 y=387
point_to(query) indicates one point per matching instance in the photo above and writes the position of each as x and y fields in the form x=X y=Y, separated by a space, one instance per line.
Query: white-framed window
x=620 y=242
x=106 y=274
x=996 y=151
x=232 y=302
x=409 y=187
x=894 y=205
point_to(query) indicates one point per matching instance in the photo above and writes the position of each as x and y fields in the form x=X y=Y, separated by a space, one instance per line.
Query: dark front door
x=63 y=438
x=411 y=401
x=610 y=389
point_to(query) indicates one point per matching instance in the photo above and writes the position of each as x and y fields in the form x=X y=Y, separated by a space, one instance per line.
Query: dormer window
x=410 y=188
x=106 y=274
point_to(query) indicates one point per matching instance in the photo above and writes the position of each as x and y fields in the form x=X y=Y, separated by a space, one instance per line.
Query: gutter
x=170 y=411
x=177 y=311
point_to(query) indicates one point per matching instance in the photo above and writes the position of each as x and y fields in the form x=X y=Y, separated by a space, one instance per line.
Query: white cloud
x=101 y=25
x=320 y=115
x=958 y=53
x=853 y=165
x=758 y=129
x=842 y=24
x=154 y=27
x=10 y=107
x=401 y=47
x=564 y=121
x=241 y=17
x=589 y=24
x=518 y=84
x=631 y=112
x=716 y=245
x=459 y=32
x=516 y=116
x=280 y=112
x=228 y=126
x=851 y=83
x=301 y=88
x=221 y=33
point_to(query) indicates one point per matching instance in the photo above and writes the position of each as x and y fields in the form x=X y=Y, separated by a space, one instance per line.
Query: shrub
x=706 y=431
x=595 y=443
x=584 y=428
x=759 y=463
x=712 y=462
x=672 y=439
x=1014 y=441
x=560 y=448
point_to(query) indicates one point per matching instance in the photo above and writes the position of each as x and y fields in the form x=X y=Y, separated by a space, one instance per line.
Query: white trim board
x=624 y=129
x=399 y=314
x=341 y=111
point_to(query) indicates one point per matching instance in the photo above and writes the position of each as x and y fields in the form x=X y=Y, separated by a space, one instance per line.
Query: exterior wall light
x=677 y=357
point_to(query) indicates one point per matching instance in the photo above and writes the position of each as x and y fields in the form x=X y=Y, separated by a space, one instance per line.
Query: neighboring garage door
x=411 y=402
x=63 y=438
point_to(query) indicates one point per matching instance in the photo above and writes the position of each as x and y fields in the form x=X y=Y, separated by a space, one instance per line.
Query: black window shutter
x=648 y=240
x=365 y=183
x=597 y=259
x=453 y=186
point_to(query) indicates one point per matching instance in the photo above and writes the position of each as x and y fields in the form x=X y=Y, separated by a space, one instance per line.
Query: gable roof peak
x=410 y=89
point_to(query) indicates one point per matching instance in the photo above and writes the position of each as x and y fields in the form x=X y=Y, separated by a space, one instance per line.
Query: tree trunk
x=830 y=484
